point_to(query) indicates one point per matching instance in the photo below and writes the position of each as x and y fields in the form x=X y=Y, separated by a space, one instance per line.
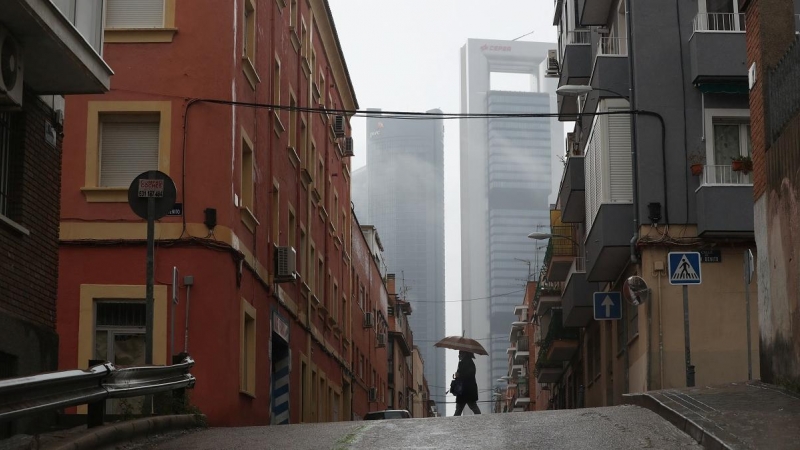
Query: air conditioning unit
x=373 y=394
x=338 y=126
x=369 y=321
x=390 y=310
x=552 y=64
x=285 y=264
x=11 y=69
x=348 y=147
x=381 y=340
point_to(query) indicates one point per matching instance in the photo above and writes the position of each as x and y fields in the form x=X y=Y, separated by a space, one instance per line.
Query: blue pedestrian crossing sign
x=684 y=268
x=607 y=305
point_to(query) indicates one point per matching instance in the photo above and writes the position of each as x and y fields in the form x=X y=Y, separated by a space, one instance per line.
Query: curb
x=130 y=430
x=688 y=426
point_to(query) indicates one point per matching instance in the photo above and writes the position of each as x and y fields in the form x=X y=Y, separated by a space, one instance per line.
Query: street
x=618 y=427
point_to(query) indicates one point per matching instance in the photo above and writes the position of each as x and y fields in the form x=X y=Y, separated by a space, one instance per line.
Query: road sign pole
x=149 y=303
x=689 y=367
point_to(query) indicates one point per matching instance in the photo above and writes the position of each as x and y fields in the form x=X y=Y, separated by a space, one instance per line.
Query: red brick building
x=260 y=235
x=774 y=60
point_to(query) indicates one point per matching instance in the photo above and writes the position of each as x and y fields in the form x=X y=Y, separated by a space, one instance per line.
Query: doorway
x=280 y=380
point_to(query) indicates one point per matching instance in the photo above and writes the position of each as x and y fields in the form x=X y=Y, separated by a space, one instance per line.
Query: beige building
x=418 y=401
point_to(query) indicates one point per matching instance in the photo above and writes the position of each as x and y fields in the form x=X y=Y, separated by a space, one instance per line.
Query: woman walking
x=469 y=387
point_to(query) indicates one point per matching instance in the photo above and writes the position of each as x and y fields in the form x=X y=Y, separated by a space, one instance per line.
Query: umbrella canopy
x=462 y=343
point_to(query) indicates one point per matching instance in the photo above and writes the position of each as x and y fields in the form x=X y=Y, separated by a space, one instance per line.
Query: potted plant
x=742 y=164
x=697 y=160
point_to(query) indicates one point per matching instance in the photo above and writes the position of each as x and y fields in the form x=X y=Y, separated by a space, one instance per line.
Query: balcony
x=575 y=67
x=724 y=203
x=548 y=295
x=609 y=75
x=594 y=12
x=521 y=311
x=572 y=194
x=561 y=252
x=577 y=299
x=58 y=58
x=521 y=351
x=718 y=50
x=608 y=243
x=561 y=342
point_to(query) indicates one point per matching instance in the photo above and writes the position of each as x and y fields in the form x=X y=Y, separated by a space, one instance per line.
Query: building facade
x=629 y=197
x=506 y=166
x=253 y=266
x=772 y=55
x=37 y=39
x=401 y=191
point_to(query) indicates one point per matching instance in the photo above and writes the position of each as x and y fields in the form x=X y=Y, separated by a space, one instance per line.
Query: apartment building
x=253 y=264
x=48 y=50
x=399 y=351
x=773 y=58
x=657 y=93
x=370 y=325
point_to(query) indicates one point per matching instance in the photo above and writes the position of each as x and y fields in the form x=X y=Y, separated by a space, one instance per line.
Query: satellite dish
x=635 y=290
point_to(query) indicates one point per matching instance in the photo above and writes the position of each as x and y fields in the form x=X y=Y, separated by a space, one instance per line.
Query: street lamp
x=574 y=90
x=542 y=236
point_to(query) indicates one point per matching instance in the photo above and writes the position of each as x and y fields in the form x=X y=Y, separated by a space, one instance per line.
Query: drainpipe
x=634 y=160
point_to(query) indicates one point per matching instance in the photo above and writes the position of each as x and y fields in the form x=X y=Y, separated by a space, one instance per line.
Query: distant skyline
x=404 y=55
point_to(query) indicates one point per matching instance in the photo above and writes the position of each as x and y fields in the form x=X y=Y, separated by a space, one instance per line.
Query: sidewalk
x=748 y=415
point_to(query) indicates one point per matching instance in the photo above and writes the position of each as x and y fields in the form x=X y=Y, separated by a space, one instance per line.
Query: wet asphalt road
x=619 y=427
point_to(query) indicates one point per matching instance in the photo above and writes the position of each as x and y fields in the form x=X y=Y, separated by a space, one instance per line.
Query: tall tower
x=506 y=189
x=405 y=201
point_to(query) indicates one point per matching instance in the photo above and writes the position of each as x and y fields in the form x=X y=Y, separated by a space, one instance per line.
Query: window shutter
x=134 y=14
x=594 y=178
x=619 y=158
x=126 y=150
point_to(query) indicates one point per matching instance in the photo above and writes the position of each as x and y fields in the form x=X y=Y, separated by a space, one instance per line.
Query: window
x=312 y=265
x=247 y=339
x=119 y=338
x=247 y=203
x=303 y=255
x=361 y=297
x=321 y=181
x=303 y=150
x=281 y=5
x=320 y=278
x=8 y=365
x=139 y=21
x=361 y=366
x=294 y=13
x=303 y=383
x=334 y=214
x=335 y=301
x=124 y=139
x=249 y=43
x=128 y=147
x=293 y=155
x=276 y=94
x=292 y=227
x=731 y=140
x=276 y=213
x=10 y=165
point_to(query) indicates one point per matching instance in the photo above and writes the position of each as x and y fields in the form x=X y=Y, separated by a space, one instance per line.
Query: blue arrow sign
x=607 y=305
x=684 y=268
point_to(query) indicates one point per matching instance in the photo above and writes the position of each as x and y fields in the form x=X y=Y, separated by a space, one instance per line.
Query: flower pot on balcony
x=697 y=169
x=742 y=166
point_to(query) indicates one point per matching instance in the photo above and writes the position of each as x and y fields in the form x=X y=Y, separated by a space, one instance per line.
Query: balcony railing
x=731 y=22
x=562 y=246
x=522 y=344
x=612 y=46
x=575 y=37
x=578 y=266
x=721 y=175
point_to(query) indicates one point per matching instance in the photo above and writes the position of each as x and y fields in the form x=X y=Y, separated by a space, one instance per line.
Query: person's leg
x=459 y=408
x=474 y=407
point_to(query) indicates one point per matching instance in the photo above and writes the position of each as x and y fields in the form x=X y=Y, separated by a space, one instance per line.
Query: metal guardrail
x=24 y=396
x=612 y=46
x=715 y=175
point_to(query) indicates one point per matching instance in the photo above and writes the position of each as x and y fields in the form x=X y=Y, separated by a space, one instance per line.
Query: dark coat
x=466 y=372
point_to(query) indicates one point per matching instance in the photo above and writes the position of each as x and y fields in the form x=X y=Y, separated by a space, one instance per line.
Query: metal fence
x=25 y=396
x=783 y=91
x=724 y=175
x=719 y=22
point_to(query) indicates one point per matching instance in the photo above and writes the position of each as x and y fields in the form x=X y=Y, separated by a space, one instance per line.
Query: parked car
x=388 y=414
